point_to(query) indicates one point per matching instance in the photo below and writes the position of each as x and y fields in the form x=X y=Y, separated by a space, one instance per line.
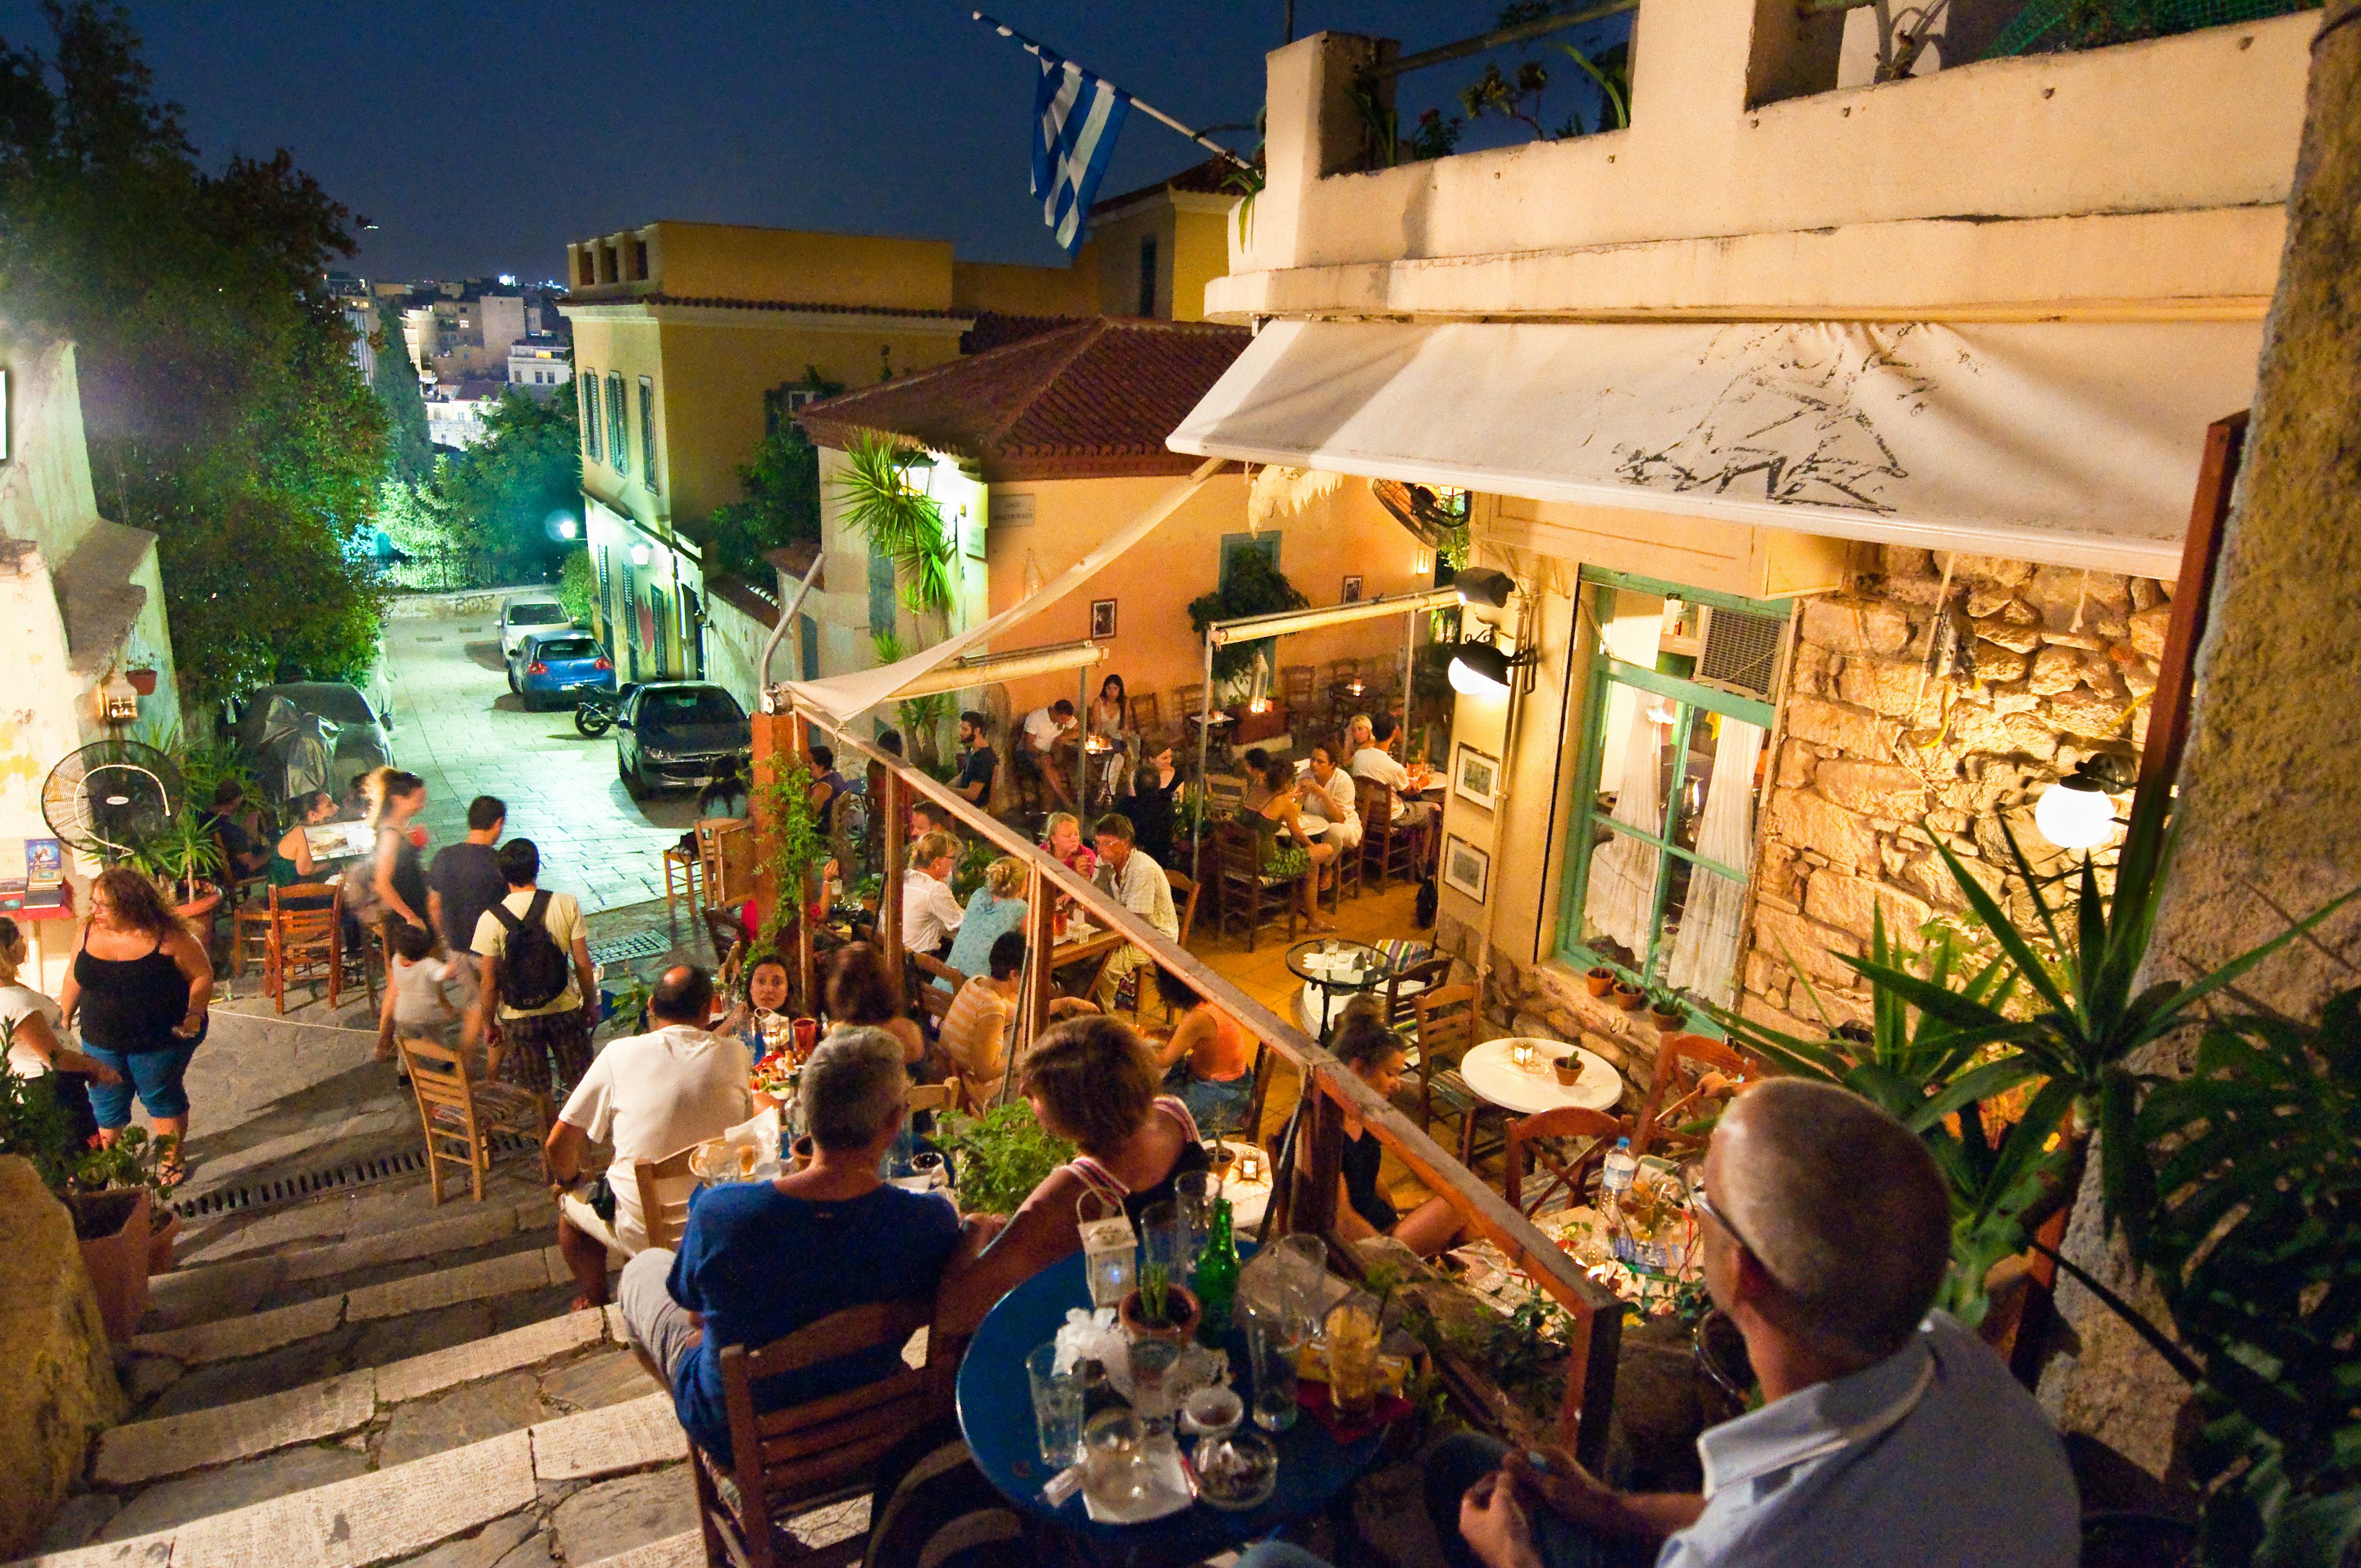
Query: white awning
x=2069 y=443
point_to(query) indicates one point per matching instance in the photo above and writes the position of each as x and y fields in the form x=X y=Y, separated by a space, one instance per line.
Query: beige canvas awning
x=2071 y=443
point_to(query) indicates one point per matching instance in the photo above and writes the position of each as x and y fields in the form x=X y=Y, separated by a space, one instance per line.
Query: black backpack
x=533 y=968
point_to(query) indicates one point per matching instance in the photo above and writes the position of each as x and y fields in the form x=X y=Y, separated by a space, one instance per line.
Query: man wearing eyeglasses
x=1887 y=1434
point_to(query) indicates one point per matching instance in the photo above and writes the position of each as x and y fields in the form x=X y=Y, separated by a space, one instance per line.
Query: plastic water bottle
x=1614 y=1180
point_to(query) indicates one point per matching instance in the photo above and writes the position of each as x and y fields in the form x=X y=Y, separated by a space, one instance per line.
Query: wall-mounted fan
x=110 y=797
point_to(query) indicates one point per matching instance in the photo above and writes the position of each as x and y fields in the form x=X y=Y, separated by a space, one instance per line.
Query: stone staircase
x=365 y=1379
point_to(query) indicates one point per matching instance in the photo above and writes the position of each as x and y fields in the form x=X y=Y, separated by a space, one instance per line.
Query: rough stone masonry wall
x=1885 y=751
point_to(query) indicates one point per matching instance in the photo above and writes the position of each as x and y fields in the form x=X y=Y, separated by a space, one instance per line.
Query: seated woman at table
x=290 y=857
x=761 y=1259
x=1091 y=1080
x=1283 y=809
x=860 y=996
x=1376 y=1055
x=1208 y=1061
x=993 y=911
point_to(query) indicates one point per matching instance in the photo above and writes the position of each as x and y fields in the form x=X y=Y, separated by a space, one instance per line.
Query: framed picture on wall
x=1476 y=775
x=1102 y=618
x=1353 y=589
x=1466 y=868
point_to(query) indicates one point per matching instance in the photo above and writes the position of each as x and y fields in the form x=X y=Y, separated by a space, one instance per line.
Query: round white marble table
x=1487 y=1069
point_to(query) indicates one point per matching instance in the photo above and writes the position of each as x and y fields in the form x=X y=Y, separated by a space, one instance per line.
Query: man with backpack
x=537 y=975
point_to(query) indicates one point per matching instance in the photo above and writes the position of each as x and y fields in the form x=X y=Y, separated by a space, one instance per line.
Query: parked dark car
x=680 y=735
x=308 y=735
x=553 y=669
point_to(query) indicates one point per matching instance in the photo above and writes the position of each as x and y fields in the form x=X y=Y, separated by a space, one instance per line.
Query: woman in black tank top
x=140 y=986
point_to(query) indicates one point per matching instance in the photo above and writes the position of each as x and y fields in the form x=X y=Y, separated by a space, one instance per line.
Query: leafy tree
x=222 y=405
x=780 y=486
x=577 y=587
x=1250 y=585
x=410 y=451
x=505 y=499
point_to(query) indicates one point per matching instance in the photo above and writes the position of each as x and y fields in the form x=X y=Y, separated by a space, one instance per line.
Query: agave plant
x=183 y=854
x=1945 y=1082
x=898 y=520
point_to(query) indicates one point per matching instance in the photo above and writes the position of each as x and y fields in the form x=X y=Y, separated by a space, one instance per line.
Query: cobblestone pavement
x=459 y=727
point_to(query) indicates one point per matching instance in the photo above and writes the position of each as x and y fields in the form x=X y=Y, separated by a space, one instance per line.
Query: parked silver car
x=531 y=611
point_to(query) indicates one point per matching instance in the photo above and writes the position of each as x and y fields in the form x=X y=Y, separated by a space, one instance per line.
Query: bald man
x=1888 y=1434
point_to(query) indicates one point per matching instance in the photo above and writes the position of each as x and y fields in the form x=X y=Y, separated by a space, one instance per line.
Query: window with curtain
x=590 y=415
x=618 y=450
x=1674 y=724
x=648 y=431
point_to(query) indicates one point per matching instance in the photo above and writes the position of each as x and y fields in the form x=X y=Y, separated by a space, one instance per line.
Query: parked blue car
x=554 y=668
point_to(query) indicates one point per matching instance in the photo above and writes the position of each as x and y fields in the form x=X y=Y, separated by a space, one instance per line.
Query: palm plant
x=183 y=854
x=898 y=520
x=922 y=718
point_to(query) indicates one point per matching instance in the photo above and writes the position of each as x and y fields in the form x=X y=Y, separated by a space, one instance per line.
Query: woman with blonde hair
x=1093 y=1081
x=32 y=1023
x=397 y=883
x=993 y=911
x=141 y=985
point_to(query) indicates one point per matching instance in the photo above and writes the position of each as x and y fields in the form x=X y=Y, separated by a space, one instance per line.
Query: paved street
x=458 y=728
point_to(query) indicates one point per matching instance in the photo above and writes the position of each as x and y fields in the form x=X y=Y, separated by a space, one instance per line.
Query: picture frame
x=1353 y=588
x=1103 y=621
x=1466 y=868
x=1476 y=777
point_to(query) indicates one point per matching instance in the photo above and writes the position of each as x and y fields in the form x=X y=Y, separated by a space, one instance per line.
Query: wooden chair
x=924 y=1097
x=1538 y=1139
x=1147 y=716
x=688 y=867
x=1184 y=901
x=249 y=930
x=932 y=1003
x=723 y=929
x=1295 y=682
x=790 y=1461
x=1347 y=869
x=1188 y=702
x=1250 y=898
x=460 y=1115
x=665 y=1218
x=1391 y=848
x=1446 y=1018
x=1406 y=985
x=307 y=941
x=1673 y=1096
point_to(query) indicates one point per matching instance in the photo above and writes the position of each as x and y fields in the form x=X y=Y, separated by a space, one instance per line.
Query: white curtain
x=1704 y=951
x=1622 y=896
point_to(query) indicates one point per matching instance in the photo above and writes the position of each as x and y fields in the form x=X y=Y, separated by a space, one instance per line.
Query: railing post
x=1041 y=940
x=889 y=897
x=1319 y=1161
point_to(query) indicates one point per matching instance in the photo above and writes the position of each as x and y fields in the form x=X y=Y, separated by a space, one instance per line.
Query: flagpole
x=1142 y=105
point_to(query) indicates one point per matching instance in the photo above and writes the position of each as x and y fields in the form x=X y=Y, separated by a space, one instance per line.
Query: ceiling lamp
x=2075 y=813
x=1478 y=669
x=1484 y=588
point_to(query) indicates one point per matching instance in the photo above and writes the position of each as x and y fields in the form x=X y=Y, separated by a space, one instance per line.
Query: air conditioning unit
x=1741 y=652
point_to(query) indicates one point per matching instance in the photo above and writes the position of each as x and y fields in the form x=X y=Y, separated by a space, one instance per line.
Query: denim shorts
x=155 y=1076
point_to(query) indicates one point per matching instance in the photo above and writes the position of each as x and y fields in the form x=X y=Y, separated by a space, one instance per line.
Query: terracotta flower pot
x=1630 y=998
x=113 y=1229
x=1179 y=1310
x=142 y=680
x=1670 y=1022
x=1601 y=980
x=200 y=907
x=799 y=1153
x=160 y=1244
x=1568 y=1068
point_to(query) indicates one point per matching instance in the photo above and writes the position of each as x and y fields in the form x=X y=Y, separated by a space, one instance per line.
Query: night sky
x=482 y=138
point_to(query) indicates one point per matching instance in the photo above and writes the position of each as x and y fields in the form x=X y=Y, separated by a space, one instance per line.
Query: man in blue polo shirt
x=1887 y=1435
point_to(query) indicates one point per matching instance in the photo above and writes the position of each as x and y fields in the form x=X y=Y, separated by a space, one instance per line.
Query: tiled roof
x=1207 y=178
x=997 y=329
x=721 y=302
x=1096 y=398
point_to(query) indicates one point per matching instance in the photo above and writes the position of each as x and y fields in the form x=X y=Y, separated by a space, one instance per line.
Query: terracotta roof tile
x=997 y=329
x=1094 y=398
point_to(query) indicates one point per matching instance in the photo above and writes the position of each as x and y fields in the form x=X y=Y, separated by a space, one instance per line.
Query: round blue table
x=995 y=1412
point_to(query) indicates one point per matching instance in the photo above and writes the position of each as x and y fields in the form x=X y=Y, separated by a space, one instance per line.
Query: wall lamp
x=1478 y=669
x=1483 y=586
x=2075 y=813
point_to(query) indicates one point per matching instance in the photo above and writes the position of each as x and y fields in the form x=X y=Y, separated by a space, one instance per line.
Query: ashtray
x=1212 y=1412
x=1237 y=1472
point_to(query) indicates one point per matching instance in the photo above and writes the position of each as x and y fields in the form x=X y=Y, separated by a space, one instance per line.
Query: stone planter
x=1180 y=1310
x=112 y=1227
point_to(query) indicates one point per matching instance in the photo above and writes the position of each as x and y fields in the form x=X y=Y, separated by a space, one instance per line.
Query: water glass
x=1353 y=1334
x=1306 y=1257
x=1152 y=1380
x=1271 y=1344
x=1114 y=1458
x=1192 y=1194
x=1164 y=1242
x=1057 y=1408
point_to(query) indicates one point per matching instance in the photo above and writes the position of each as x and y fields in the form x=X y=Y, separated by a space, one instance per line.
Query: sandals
x=169 y=1174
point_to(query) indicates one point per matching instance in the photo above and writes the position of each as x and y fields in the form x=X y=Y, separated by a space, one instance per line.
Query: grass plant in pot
x=1159 y=1309
x=1665 y=1011
x=1630 y=997
x=185 y=859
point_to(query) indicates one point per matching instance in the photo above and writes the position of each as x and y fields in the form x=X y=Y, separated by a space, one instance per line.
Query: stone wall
x=57 y=1389
x=1919 y=710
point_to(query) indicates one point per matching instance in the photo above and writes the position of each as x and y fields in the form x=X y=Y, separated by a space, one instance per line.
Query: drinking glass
x=1057 y=1408
x=1152 y=1360
x=1192 y=1194
x=1272 y=1344
x=1164 y=1241
x=1352 y=1332
x=1114 y=1458
x=1307 y=1269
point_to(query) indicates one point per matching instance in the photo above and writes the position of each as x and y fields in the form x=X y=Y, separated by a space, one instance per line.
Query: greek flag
x=1077 y=116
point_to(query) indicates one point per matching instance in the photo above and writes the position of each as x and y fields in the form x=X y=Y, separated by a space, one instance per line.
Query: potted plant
x=143 y=681
x=1629 y=996
x=112 y=1194
x=135 y=1161
x=1159 y=1309
x=1000 y=1156
x=1599 y=978
x=1665 y=1008
x=186 y=858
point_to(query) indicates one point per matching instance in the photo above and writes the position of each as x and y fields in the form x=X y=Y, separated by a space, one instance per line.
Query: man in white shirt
x=650 y=1096
x=930 y=912
x=1371 y=761
x=1332 y=797
x=1138 y=882
x=1047 y=732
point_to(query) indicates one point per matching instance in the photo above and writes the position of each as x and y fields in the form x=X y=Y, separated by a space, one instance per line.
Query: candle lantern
x=1110 y=1255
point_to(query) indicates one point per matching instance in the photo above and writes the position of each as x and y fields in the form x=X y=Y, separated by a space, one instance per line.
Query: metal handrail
x=1329 y=1086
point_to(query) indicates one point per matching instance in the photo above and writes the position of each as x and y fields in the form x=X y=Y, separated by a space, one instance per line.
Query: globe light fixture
x=1478 y=669
x=2075 y=813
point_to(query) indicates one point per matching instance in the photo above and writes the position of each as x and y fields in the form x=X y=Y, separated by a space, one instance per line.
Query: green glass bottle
x=1217 y=1278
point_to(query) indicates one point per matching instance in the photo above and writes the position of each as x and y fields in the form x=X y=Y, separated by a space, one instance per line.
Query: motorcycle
x=597 y=712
